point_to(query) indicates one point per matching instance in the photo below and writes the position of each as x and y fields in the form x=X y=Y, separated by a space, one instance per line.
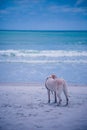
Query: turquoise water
x=30 y=56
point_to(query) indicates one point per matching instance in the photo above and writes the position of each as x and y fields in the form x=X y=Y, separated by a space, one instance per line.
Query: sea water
x=31 y=56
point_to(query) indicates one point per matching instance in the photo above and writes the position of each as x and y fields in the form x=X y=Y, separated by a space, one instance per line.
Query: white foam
x=43 y=56
x=45 y=61
x=42 y=53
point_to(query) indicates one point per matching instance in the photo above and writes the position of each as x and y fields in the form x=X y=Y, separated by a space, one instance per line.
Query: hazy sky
x=43 y=14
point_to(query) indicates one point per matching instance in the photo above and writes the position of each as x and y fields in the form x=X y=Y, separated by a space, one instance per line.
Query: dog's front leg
x=48 y=96
x=55 y=98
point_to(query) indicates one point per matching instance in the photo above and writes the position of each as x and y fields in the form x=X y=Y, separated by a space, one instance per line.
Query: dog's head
x=53 y=76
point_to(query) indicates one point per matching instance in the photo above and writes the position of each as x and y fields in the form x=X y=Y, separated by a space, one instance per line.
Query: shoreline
x=35 y=84
x=20 y=84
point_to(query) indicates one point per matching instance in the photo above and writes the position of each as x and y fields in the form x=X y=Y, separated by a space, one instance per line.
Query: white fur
x=57 y=86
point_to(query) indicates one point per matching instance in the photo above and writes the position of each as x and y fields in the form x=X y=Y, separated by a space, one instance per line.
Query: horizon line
x=37 y=30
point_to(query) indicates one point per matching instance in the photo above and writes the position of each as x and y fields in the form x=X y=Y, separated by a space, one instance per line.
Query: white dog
x=56 y=85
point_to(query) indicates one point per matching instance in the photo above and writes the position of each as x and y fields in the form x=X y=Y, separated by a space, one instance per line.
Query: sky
x=43 y=14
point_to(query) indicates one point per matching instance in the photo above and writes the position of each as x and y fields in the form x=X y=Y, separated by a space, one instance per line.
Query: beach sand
x=24 y=107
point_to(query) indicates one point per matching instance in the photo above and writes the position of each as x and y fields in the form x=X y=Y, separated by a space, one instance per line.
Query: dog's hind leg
x=59 y=97
x=66 y=93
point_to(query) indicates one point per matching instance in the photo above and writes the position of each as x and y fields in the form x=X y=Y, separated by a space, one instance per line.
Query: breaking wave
x=37 y=53
x=43 y=56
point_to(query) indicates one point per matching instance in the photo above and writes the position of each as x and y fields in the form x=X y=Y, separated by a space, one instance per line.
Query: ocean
x=31 y=56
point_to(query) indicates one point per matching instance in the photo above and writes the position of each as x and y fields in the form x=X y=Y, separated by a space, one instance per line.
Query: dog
x=56 y=85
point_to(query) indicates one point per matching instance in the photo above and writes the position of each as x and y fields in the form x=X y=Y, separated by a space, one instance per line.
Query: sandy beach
x=24 y=107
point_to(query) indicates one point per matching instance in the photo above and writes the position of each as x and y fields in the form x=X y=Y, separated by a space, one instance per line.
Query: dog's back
x=57 y=85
